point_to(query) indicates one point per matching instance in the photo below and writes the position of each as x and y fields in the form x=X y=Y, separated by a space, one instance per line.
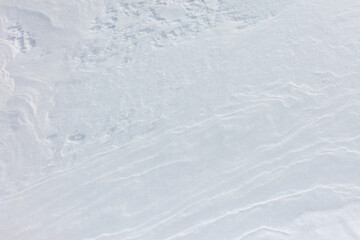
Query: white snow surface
x=180 y=119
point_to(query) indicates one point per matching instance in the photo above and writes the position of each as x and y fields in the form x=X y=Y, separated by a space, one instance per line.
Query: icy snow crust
x=193 y=119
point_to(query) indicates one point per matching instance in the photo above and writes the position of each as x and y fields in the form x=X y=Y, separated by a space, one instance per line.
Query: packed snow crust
x=180 y=119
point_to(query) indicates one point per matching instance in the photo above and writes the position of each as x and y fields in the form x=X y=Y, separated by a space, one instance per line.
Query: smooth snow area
x=180 y=119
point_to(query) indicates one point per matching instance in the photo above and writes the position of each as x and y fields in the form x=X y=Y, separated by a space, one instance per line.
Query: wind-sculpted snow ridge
x=192 y=119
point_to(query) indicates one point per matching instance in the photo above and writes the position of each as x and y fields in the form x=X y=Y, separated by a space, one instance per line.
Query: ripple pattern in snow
x=193 y=119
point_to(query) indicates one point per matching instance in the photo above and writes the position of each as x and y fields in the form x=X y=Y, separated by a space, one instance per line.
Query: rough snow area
x=180 y=119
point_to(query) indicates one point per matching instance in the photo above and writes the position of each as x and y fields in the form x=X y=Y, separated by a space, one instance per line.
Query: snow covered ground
x=180 y=119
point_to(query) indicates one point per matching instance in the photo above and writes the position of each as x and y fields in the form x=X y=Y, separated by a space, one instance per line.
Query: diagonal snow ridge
x=194 y=119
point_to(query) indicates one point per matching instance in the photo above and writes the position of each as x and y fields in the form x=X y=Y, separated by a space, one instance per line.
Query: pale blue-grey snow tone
x=180 y=120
